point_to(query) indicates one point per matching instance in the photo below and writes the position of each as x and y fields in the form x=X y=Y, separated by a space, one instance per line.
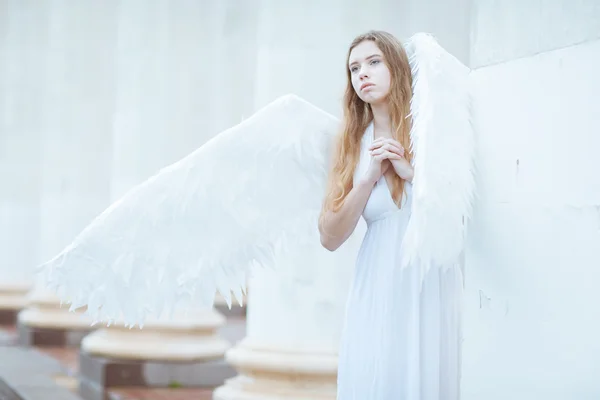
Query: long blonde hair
x=358 y=115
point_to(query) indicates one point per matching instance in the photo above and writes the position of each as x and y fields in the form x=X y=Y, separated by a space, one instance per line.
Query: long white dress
x=401 y=339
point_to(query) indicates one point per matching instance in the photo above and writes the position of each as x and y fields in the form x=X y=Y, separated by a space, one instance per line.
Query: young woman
x=401 y=335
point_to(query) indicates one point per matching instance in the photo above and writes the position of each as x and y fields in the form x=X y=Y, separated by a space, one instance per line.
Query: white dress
x=400 y=341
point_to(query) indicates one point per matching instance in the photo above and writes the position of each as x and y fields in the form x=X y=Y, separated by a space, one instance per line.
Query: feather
x=443 y=140
x=199 y=225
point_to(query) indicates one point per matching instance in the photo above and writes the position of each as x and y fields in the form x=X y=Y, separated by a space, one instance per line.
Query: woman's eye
x=374 y=62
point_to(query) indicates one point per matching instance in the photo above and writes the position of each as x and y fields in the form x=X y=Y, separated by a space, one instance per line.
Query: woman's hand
x=380 y=163
x=400 y=164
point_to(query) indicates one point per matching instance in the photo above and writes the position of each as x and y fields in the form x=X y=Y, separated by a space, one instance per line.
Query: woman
x=401 y=334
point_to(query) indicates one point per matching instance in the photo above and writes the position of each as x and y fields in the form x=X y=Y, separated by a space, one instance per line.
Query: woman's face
x=369 y=73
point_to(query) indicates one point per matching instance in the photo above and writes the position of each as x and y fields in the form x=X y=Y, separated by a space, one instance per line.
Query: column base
x=8 y=317
x=182 y=352
x=275 y=374
x=149 y=344
x=48 y=337
x=12 y=299
x=40 y=326
x=98 y=375
x=45 y=322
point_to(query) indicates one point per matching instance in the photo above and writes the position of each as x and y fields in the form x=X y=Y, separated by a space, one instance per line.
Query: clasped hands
x=393 y=151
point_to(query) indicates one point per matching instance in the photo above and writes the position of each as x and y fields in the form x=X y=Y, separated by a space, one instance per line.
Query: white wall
x=509 y=29
x=532 y=306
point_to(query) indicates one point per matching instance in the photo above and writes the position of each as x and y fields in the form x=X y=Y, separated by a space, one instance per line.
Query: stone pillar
x=78 y=97
x=235 y=102
x=237 y=48
x=294 y=322
x=290 y=57
x=165 y=103
x=22 y=43
x=295 y=312
x=531 y=314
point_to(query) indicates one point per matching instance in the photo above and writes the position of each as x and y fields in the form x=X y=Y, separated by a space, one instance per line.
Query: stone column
x=76 y=142
x=165 y=102
x=235 y=75
x=293 y=57
x=294 y=322
x=295 y=312
x=235 y=100
x=531 y=307
x=22 y=42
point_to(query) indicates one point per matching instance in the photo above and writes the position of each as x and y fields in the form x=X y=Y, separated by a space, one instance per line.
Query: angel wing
x=443 y=142
x=200 y=224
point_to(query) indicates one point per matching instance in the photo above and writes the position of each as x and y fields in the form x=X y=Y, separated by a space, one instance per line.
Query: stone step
x=26 y=374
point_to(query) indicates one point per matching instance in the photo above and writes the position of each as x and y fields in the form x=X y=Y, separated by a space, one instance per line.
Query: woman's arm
x=403 y=169
x=336 y=227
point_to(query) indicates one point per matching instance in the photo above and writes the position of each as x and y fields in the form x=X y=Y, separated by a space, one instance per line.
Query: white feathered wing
x=443 y=142
x=200 y=224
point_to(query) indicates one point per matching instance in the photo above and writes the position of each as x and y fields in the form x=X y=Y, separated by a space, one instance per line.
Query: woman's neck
x=382 y=123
